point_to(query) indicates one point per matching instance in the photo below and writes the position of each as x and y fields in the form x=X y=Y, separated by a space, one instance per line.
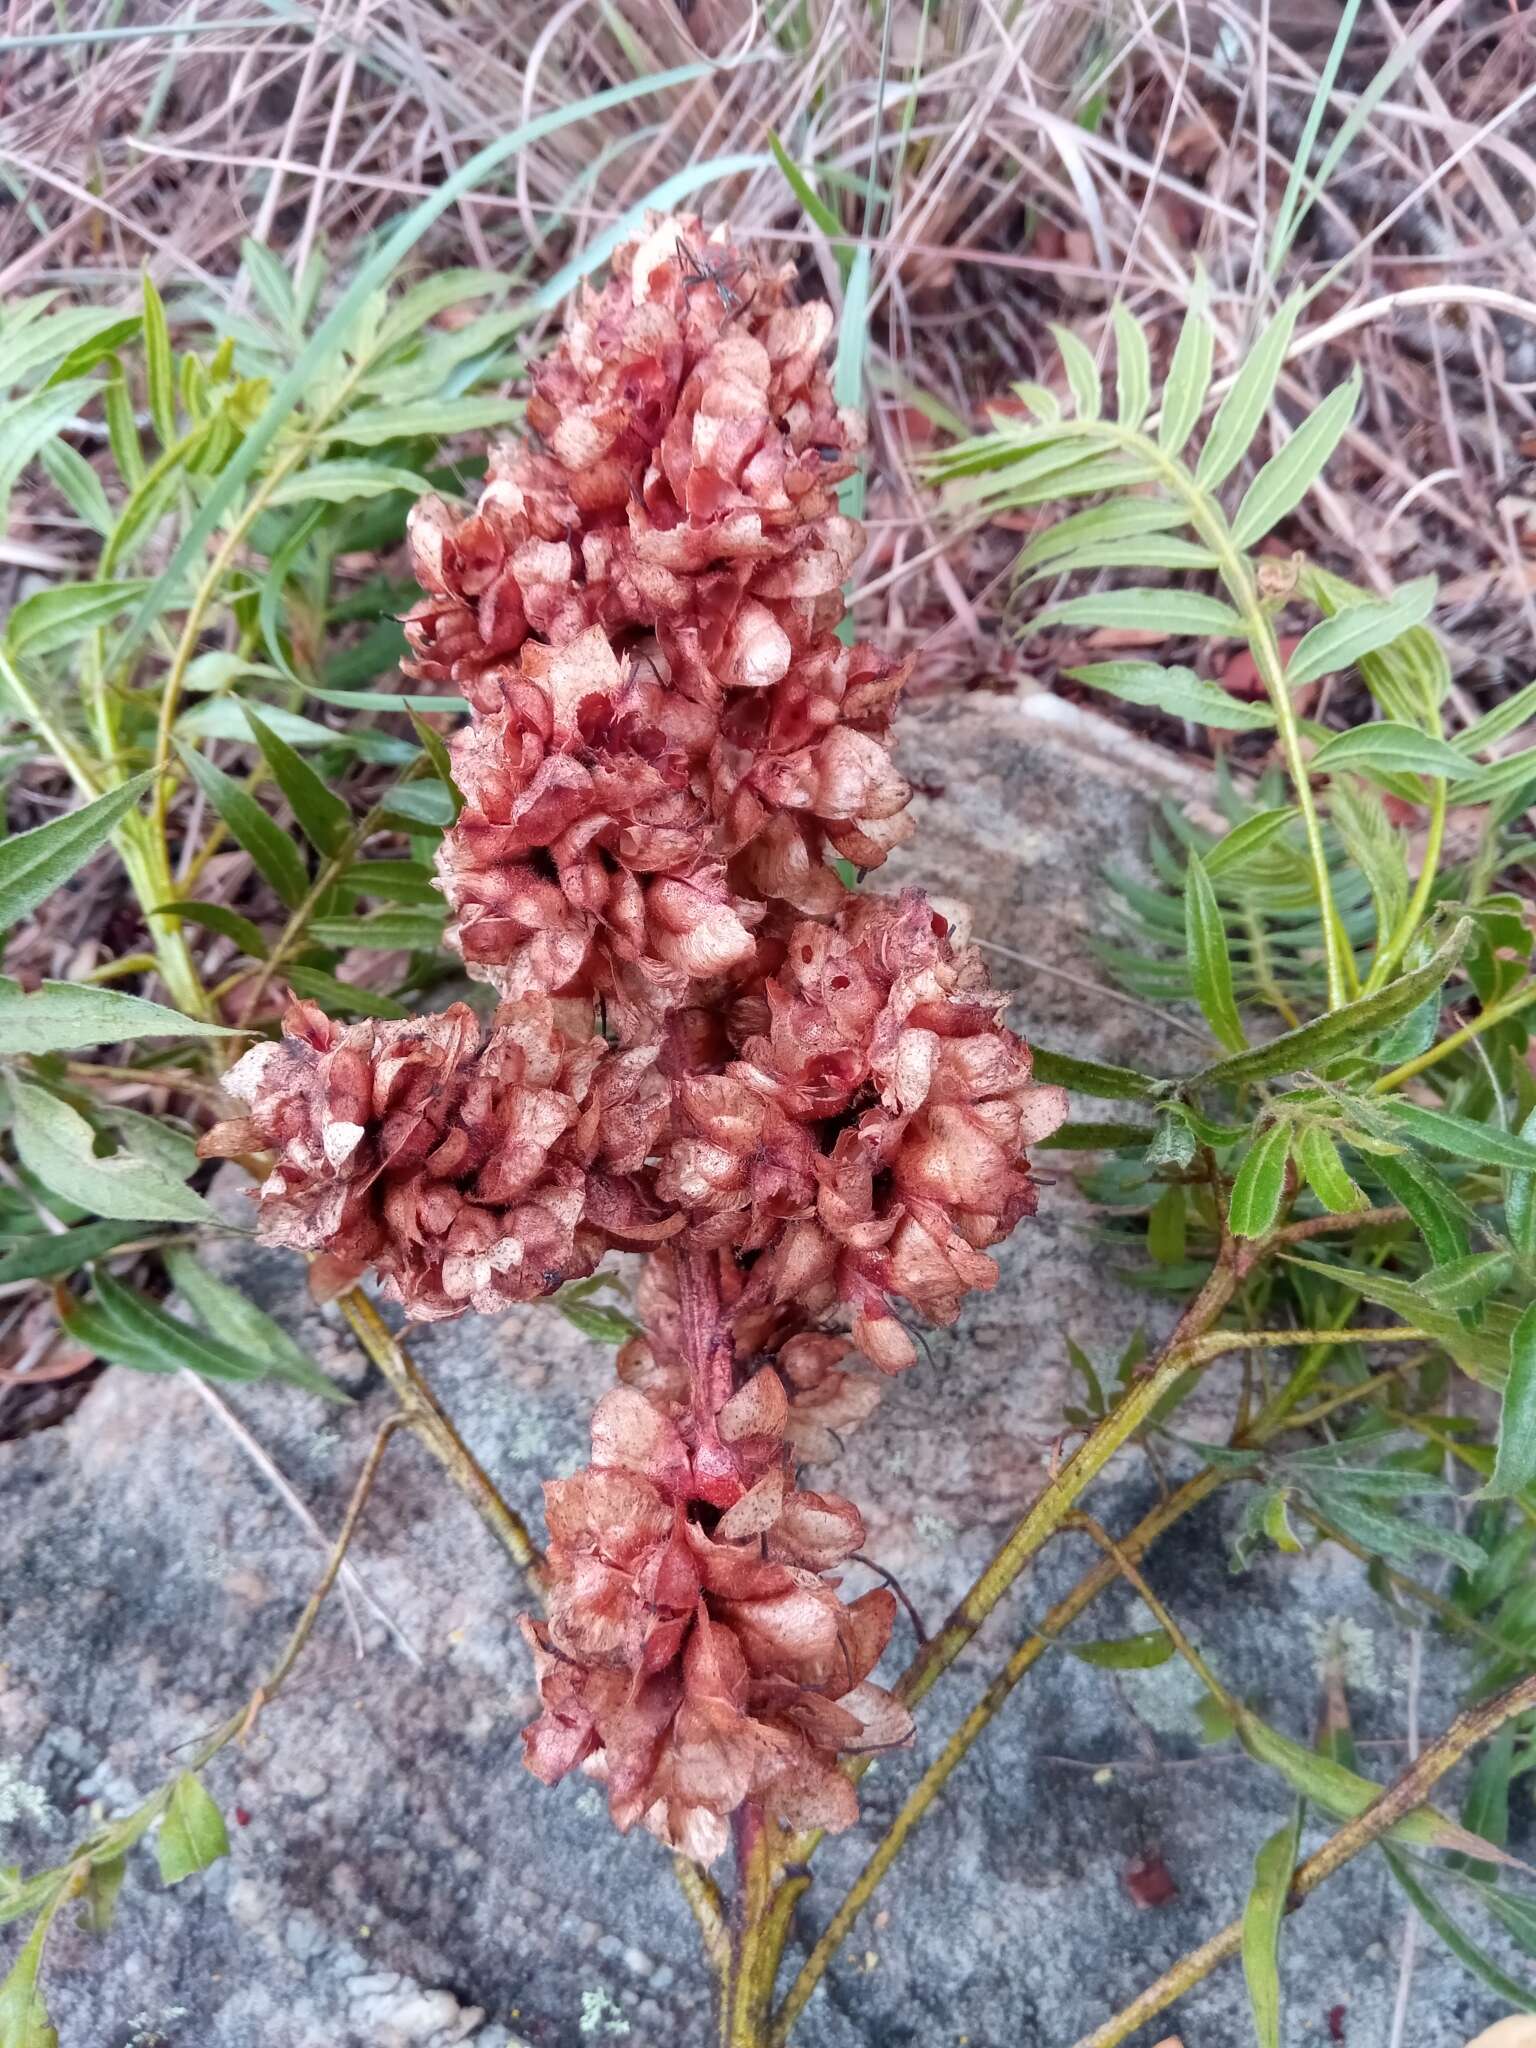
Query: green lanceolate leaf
x=23 y=2016
x=40 y=1258
x=343 y=995
x=1210 y=964
x=1240 y=412
x=1229 y=856
x=1318 y=1158
x=1189 y=377
x=437 y=753
x=226 y=1313
x=1260 y=1183
x=427 y=418
x=1342 y=1031
x=1359 y=630
x=193 y=1834
x=1465 y=1950
x=63 y=1016
x=339 y=483
x=1125 y=1653
x=159 y=364
x=1391 y=748
x=1482 y=1144
x=386 y=931
x=218 y=917
x=1122 y=519
x=33 y=864
x=1515 y=1466
x=57 y=1144
x=1341 y=1791
x=1484 y=1356
x=605 y=1325
x=1263 y=1917
x=324 y=818
x=1287 y=477
x=1464 y=1283
x=1091 y=1077
x=50 y=619
x=262 y=837
x=1082 y=373
x=1181 y=612
x=1520 y=1200
x=1133 y=369
x=1178 y=692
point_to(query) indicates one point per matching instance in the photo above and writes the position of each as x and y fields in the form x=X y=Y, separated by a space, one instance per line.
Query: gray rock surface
x=398 y=1881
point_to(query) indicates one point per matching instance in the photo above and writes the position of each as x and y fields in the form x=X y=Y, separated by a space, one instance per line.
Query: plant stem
x=703 y=1896
x=1050 y=1510
x=1393 y=951
x=430 y=1421
x=923 y=1794
x=1409 y=1791
x=1496 y=1013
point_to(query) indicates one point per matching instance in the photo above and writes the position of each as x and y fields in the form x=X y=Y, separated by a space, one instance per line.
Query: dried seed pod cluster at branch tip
x=800 y=1100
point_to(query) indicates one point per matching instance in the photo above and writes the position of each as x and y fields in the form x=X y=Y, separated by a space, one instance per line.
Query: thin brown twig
x=431 y=1422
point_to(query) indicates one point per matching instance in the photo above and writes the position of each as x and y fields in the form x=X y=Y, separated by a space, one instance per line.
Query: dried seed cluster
x=797 y=1098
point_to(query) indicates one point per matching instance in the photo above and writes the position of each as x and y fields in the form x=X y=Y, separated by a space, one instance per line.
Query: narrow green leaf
x=270 y=284
x=1358 y=630
x=1396 y=749
x=1461 y=1945
x=28 y=424
x=217 y=917
x=423 y=803
x=1125 y=1653
x=1210 y=964
x=227 y=1314
x=23 y=2016
x=1177 y=692
x=74 y=476
x=437 y=753
x=1263 y=1917
x=131 y=1330
x=1151 y=551
x=1483 y=1144
x=98 y=1902
x=1120 y=519
x=391 y=700
x=423 y=419
x=1343 y=1030
x=399 y=881
x=1485 y=1810
x=1174 y=612
x=812 y=204
x=385 y=930
x=1484 y=1357
x=1287 y=477
x=33 y=864
x=1230 y=855
x=848 y=361
x=262 y=837
x=50 y=619
x=1133 y=368
x=1167 y=1227
x=1499 y=723
x=1337 y=1789
x=1501 y=779
x=1515 y=1467
x=339 y=483
x=62 y=1016
x=159 y=364
x=1318 y=1158
x=322 y=814
x=1464 y=1283
x=1082 y=372
x=604 y=1325
x=40 y=1258
x=193 y=1834
x=1189 y=376
x=343 y=995
x=1260 y=1183
x=1091 y=1077
x=1240 y=412
x=56 y=1143
x=1520 y=1199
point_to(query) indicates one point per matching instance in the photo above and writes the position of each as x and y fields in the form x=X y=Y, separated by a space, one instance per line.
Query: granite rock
x=398 y=1881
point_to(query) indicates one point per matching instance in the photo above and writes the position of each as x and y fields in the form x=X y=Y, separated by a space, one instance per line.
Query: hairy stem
x=1409 y=1791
